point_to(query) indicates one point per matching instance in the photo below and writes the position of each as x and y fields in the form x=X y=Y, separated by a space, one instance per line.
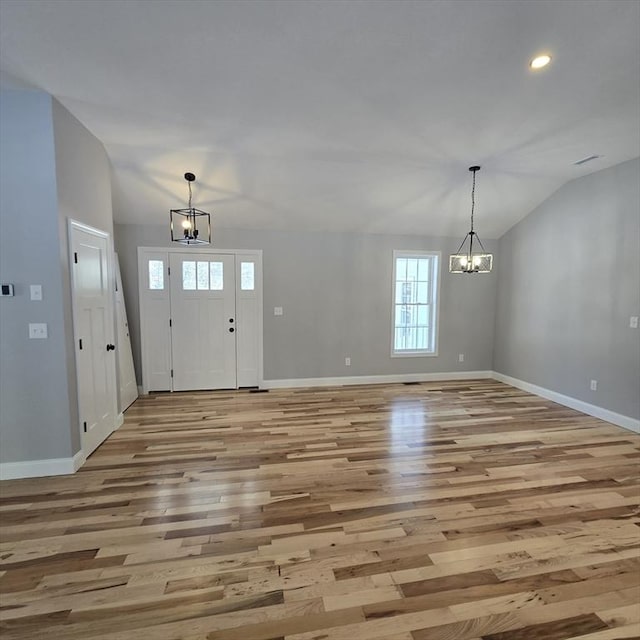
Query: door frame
x=257 y=253
x=81 y=226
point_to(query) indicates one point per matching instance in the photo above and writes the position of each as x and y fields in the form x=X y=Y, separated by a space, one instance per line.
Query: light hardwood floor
x=435 y=511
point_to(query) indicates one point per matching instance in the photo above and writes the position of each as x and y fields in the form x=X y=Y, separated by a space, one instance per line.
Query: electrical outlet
x=594 y=385
x=347 y=362
x=37 y=330
x=633 y=322
x=36 y=291
x=461 y=357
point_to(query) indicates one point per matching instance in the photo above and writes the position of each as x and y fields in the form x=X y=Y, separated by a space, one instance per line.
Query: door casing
x=155 y=316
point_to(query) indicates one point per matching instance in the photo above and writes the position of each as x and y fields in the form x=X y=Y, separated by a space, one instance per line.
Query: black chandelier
x=466 y=259
x=188 y=220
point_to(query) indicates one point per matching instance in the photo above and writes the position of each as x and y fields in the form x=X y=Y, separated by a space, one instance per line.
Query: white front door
x=203 y=321
x=94 y=334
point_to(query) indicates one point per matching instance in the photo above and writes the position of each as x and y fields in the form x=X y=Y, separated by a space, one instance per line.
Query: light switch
x=277 y=311
x=36 y=291
x=37 y=330
x=633 y=322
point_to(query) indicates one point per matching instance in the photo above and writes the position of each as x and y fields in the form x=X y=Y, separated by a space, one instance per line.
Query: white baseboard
x=40 y=468
x=119 y=421
x=590 y=409
x=381 y=379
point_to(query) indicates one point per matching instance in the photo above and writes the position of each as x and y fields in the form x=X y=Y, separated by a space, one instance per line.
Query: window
x=202 y=275
x=156 y=275
x=415 y=300
x=247 y=276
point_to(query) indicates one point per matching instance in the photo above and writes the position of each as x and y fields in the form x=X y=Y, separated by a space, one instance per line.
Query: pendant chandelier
x=188 y=220
x=468 y=259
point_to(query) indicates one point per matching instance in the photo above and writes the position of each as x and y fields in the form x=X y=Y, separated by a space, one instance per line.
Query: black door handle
x=231 y=329
x=111 y=347
x=230 y=319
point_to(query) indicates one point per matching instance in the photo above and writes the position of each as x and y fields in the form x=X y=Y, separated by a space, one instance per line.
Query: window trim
x=435 y=291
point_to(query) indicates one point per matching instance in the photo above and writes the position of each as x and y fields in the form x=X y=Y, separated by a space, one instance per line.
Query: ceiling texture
x=337 y=115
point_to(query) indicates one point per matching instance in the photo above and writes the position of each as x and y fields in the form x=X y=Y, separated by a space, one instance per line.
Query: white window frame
x=434 y=300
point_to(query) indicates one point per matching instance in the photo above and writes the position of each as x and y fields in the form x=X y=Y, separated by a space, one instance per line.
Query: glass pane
x=216 y=270
x=189 y=276
x=422 y=292
x=423 y=269
x=203 y=276
x=247 y=276
x=401 y=269
x=423 y=315
x=421 y=338
x=156 y=275
x=412 y=269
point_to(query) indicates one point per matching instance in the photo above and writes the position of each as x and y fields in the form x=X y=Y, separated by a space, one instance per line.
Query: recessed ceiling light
x=540 y=61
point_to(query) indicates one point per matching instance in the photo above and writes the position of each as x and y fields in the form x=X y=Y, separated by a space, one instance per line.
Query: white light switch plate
x=36 y=291
x=37 y=330
x=633 y=322
x=277 y=311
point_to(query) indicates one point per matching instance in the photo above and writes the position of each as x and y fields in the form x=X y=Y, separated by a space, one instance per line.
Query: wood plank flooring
x=436 y=511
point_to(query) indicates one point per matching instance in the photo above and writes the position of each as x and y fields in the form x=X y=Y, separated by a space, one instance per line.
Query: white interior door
x=126 y=372
x=94 y=333
x=203 y=321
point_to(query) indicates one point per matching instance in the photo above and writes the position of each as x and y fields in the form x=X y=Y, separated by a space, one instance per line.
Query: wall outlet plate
x=38 y=330
x=36 y=291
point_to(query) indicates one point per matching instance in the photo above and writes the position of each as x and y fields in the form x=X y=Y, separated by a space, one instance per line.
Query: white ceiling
x=336 y=115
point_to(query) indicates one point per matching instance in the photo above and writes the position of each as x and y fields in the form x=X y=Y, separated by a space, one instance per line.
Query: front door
x=94 y=334
x=203 y=321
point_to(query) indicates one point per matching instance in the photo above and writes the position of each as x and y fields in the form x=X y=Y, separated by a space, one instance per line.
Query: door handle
x=231 y=329
x=111 y=347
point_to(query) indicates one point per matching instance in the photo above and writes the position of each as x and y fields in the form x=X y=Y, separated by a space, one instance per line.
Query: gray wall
x=52 y=167
x=565 y=320
x=335 y=290
x=34 y=408
x=83 y=176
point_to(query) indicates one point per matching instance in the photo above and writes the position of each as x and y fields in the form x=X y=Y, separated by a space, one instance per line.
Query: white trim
x=579 y=405
x=379 y=379
x=78 y=460
x=41 y=468
x=141 y=391
x=119 y=421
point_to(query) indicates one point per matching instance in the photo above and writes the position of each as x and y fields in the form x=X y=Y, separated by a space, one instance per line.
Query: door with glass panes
x=203 y=322
x=200 y=318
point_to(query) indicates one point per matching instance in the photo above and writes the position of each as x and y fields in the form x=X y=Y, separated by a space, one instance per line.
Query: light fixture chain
x=189 y=183
x=473 y=198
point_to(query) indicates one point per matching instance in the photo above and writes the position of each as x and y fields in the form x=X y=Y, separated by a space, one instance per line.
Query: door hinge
x=84 y=424
x=170 y=322
x=172 y=373
x=168 y=271
x=80 y=341
x=75 y=257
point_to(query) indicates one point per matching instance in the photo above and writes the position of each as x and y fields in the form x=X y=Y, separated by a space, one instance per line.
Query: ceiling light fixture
x=188 y=220
x=540 y=61
x=466 y=260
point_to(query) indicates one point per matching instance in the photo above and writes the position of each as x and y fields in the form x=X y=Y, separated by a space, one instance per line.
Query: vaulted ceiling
x=337 y=115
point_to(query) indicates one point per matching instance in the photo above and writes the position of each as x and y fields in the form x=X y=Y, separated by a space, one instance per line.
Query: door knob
x=231 y=329
x=230 y=319
x=111 y=347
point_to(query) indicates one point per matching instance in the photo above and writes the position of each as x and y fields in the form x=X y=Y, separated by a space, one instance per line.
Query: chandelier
x=468 y=259
x=188 y=220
